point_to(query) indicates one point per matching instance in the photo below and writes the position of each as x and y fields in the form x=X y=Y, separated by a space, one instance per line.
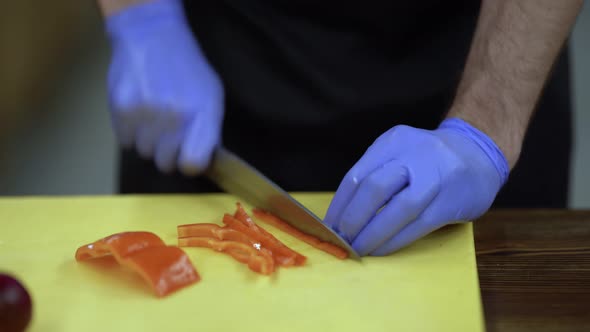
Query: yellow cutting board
x=430 y=286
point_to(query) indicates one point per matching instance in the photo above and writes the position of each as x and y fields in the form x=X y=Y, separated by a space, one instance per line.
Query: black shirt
x=312 y=62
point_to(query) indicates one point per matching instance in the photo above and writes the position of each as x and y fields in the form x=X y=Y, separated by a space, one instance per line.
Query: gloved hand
x=165 y=98
x=422 y=180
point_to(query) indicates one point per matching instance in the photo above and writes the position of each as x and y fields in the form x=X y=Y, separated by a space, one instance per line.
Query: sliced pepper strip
x=119 y=245
x=257 y=261
x=214 y=231
x=220 y=233
x=245 y=218
x=242 y=215
x=282 y=255
x=275 y=221
x=166 y=269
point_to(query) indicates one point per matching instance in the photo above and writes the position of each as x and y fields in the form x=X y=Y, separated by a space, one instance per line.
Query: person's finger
x=199 y=143
x=167 y=149
x=380 y=152
x=373 y=192
x=341 y=198
x=402 y=209
x=125 y=116
x=149 y=132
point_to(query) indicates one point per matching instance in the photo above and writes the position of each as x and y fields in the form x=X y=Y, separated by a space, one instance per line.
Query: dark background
x=55 y=136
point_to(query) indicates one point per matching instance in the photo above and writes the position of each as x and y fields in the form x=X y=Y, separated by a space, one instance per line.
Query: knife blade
x=237 y=177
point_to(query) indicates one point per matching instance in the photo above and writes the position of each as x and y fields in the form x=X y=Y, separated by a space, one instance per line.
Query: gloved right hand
x=165 y=98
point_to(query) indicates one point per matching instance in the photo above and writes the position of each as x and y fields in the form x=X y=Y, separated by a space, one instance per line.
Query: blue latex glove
x=165 y=98
x=422 y=180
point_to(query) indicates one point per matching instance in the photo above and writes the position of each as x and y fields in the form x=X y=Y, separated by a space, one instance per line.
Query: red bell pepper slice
x=245 y=218
x=119 y=245
x=258 y=261
x=165 y=268
x=242 y=215
x=215 y=231
x=275 y=221
x=282 y=255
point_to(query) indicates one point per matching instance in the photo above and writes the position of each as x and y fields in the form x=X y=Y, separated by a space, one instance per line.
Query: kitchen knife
x=237 y=177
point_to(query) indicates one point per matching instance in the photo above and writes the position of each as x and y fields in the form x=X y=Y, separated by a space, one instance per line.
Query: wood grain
x=534 y=269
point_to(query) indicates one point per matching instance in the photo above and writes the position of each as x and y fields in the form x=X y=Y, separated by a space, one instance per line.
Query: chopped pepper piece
x=282 y=255
x=215 y=231
x=245 y=218
x=275 y=221
x=165 y=268
x=242 y=215
x=119 y=245
x=258 y=261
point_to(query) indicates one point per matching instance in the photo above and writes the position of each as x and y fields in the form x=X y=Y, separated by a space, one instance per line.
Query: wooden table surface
x=534 y=269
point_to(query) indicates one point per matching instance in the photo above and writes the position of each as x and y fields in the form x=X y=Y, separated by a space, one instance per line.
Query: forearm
x=109 y=7
x=513 y=50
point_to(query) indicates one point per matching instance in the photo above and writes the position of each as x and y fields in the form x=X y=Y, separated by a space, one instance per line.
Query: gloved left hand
x=166 y=99
x=411 y=182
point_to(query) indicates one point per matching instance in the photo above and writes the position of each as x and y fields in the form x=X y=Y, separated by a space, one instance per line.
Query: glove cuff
x=485 y=143
x=138 y=19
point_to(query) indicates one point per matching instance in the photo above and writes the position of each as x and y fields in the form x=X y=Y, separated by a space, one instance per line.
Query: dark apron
x=304 y=118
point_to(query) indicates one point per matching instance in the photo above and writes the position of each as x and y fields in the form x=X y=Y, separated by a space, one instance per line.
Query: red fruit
x=15 y=305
